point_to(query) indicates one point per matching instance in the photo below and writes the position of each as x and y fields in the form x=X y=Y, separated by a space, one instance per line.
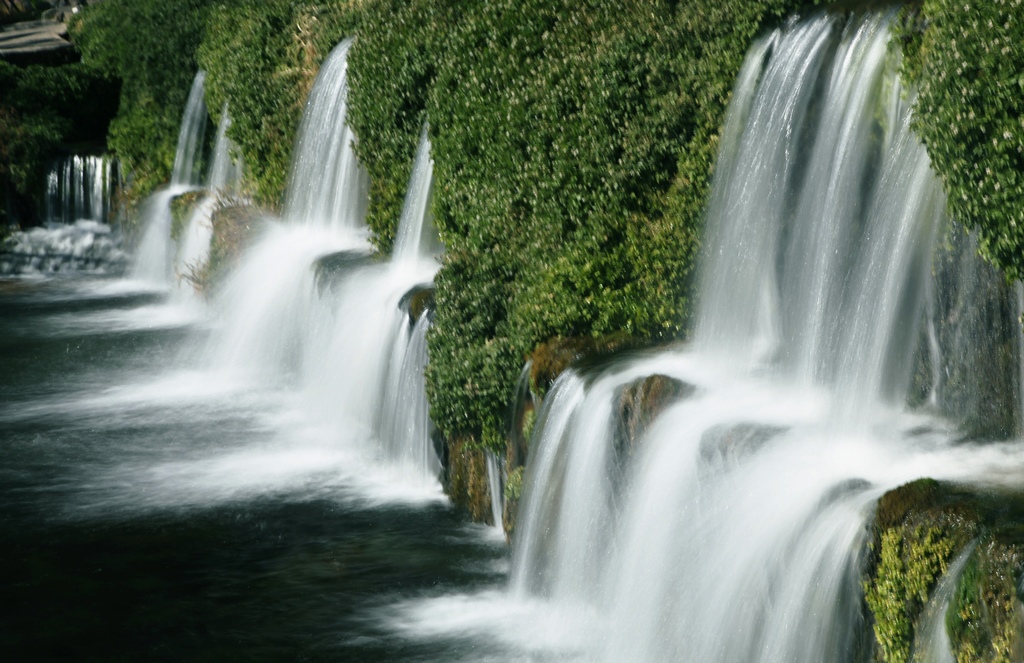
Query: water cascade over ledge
x=732 y=529
x=370 y=381
x=269 y=298
x=223 y=179
x=154 y=257
x=309 y=307
x=80 y=187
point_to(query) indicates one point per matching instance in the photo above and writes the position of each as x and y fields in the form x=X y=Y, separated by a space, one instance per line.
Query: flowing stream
x=262 y=483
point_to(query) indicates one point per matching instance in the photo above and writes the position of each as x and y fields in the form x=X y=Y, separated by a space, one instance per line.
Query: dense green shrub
x=968 y=64
x=573 y=144
x=261 y=57
x=150 y=46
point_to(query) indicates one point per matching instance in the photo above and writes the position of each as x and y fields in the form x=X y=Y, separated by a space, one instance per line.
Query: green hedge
x=968 y=64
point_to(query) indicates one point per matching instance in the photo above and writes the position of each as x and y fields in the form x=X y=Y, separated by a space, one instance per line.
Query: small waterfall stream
x=223 y=178
x=80 y=187
x=370 y=380
x=154 y=256
x=78 y=237
x=308 y=307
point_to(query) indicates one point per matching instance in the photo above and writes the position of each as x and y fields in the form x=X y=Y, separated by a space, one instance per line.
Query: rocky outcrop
x=639 y=404
x=234 y=225
x=968 y=358
x=465 y=479
x=416 y=302
x=552 y=357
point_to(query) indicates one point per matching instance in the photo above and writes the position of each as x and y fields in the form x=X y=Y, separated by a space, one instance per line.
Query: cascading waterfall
x=731 y=530
x=80 y=187
x=79 y=194
x=328 y=188
x=222 y=181
x=154 y=256
x=933 y=644
x=187 y=168
x=494 y=490
x=370 y=383
x=269 y=299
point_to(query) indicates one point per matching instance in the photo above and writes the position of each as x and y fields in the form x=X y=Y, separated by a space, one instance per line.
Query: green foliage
x=261 y=58
x=182 y=208
x=573 y=144
x=150 y=46
x=966 y=60
x=514 y=484
x=911 y=560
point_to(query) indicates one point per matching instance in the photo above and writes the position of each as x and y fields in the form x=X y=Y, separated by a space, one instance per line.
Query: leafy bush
x=968 y=65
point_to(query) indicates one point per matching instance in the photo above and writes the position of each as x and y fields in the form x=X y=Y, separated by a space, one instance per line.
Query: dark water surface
x=150 y=513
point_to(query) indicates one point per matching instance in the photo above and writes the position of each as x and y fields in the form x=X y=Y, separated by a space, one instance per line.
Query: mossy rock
x=639 y=404
x=417 y=301
x=331 y=269
x=466 y=479
x=985 y=621
x=919 y=528
x=234 y=226
x=513 y=493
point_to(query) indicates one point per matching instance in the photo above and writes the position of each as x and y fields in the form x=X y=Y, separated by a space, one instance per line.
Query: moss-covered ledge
x=919 y=528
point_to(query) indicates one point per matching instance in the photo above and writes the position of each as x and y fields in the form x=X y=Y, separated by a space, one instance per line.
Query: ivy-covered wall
x=574 y=142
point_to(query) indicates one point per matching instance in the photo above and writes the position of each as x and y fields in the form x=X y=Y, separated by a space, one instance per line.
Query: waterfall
x=80 y=188
x=226 y=167
x=154 y=256
x=370 y=381
x=187 y=168
x=223 y=178
x=79 y=202
x=494 y=490
x=328 y=188
x=269 y=300
x=731 y=529
x=932 y=642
